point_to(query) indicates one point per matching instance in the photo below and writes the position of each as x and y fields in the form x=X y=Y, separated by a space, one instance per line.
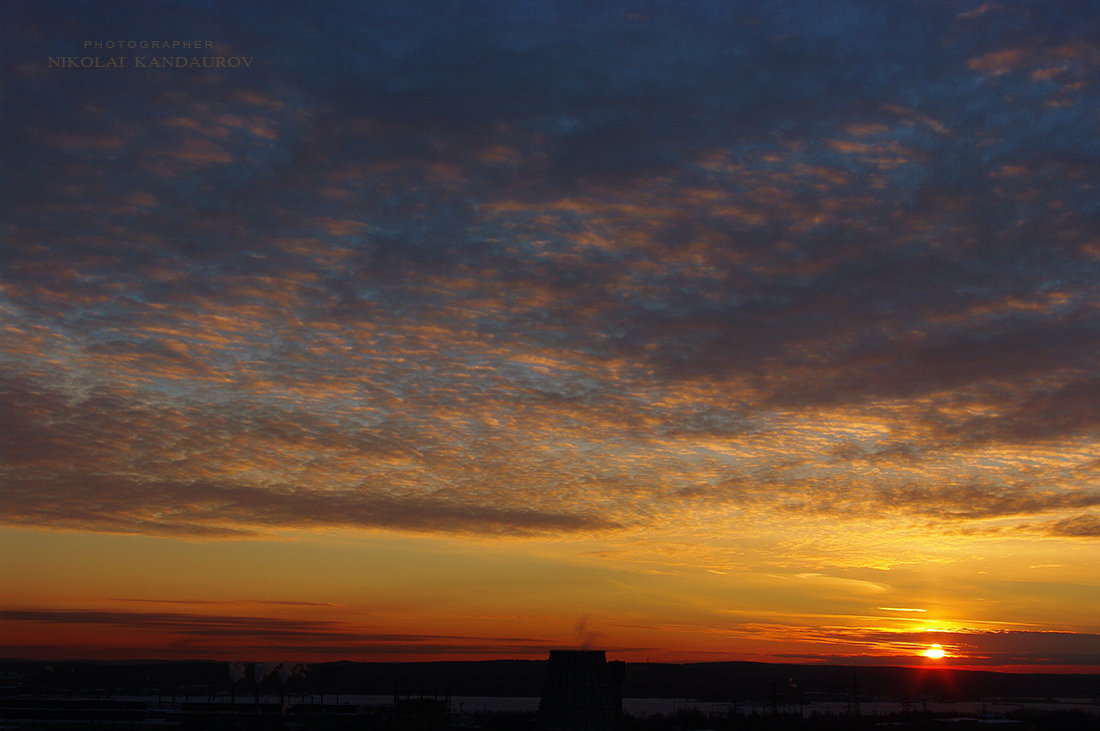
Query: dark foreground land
x=384 y=696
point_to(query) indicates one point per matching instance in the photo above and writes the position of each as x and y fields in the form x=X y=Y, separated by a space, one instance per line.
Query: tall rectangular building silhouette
x=581 y=692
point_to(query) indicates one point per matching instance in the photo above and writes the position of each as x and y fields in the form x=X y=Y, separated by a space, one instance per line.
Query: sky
x=466 y=330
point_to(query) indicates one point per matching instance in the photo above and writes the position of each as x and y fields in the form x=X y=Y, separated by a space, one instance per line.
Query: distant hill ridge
x=719 y=681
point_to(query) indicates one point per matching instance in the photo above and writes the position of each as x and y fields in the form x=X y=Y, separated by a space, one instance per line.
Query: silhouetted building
x=581 y=692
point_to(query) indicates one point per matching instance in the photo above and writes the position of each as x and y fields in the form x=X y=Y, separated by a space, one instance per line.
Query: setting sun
x=935 y=652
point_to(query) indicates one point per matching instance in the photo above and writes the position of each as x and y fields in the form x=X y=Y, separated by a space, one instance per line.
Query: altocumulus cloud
x=554 y=269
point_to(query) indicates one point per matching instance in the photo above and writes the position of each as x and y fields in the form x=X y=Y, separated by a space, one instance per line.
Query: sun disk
x=935 y=652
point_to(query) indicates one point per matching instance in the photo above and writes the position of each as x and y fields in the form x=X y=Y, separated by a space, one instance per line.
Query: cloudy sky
x=686 y=330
